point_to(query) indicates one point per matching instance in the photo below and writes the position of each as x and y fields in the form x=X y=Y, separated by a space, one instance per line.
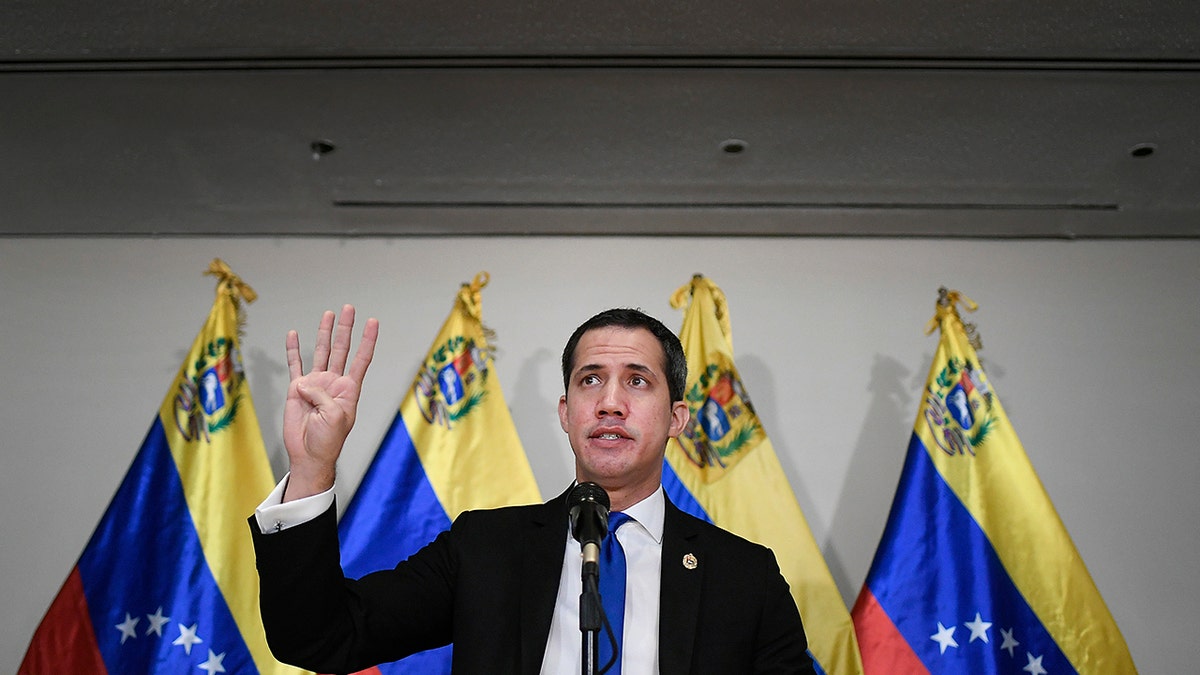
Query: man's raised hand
x=321 y=406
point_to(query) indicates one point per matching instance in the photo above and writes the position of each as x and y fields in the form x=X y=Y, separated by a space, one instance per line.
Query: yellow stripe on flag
x=736 y=476
x=221 y=458
x=468 y=446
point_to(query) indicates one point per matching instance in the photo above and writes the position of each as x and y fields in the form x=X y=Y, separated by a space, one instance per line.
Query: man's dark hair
x=674 y=361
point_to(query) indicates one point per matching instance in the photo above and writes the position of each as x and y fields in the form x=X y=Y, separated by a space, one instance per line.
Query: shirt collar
x=650 y=513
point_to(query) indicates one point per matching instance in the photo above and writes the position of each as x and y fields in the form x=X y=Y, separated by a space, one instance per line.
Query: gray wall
x=1089 y=345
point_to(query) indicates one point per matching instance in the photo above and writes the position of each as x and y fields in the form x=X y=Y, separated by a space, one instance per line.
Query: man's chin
x=610 y=472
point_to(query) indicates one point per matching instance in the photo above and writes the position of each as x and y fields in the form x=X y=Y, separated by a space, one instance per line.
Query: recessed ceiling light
x=733 y=146
x=321 y=147
x=1143 y=149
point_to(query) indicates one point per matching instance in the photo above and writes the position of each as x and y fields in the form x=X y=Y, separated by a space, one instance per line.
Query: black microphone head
x=587 y=507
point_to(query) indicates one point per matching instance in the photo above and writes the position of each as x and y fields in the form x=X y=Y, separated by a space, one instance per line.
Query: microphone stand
x=590 y=610
x=588 y=513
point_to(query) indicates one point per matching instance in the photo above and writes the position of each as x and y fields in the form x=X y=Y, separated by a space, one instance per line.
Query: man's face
x=617 y=411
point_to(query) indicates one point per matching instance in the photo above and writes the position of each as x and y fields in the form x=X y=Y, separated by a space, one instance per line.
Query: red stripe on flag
x=884 y=650
x=65 y=642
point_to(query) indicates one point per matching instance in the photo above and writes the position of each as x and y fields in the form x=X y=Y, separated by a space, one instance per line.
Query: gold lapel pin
x=690 y=562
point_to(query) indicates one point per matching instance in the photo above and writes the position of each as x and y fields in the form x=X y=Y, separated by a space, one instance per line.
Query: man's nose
x=611 y=402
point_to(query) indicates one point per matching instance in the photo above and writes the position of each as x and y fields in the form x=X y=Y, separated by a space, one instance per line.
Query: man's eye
x=589 y=379
x=637 y=380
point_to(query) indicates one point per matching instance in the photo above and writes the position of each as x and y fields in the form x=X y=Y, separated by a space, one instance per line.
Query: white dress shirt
x=641 y=539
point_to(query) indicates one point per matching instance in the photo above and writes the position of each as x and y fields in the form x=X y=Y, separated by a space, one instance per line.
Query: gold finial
x=471 y=298
x=472 y=301
x=685 y=293
x=229 y=282
x=480 y=281
x=947 y=308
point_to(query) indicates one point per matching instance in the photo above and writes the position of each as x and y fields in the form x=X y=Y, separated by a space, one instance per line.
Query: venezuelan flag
x=975 y=572
x=451 y=447
x=167 y=582
x=723 y=469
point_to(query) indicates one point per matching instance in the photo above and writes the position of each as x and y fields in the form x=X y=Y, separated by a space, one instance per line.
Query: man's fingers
x=292 y=347
x=324 y=335
x=341 y=340
x=366 y=351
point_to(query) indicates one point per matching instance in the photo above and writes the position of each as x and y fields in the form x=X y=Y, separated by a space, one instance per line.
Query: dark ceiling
x=1066 y=118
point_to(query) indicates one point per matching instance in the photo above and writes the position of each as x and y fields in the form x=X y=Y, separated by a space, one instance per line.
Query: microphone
x=587 y=508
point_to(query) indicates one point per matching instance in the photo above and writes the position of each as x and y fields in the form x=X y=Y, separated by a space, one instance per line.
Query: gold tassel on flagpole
x=947 y=306
x=229 y=282
x=237 y=290
x=683 y=295
x=471 y=297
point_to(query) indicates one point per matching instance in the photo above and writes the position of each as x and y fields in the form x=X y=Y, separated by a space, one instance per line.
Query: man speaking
x=505 y=585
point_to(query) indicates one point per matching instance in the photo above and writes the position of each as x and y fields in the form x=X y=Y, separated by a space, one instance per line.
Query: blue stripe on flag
x=816 y=664
x=936 y=565
x=679 y=495
x=430 y=662
x=394 y=512
x=146 y=554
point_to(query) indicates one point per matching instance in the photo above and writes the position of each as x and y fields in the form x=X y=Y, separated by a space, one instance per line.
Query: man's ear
x=679 y=418
x=562 y=412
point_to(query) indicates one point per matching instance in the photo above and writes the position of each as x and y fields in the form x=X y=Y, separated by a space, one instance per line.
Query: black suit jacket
x=489 y=585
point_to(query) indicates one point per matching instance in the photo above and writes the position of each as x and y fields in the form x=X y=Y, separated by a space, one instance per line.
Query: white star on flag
x=157 y=621
x=126 y=628
x=979 y=628
x=1009 y=642
x=187 y=638
x=213 y=664
x=1034 y=666
x=944 y=637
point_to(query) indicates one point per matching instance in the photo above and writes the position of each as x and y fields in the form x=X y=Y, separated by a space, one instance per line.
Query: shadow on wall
x=872 y=475
x=263 y=368
x=758 y=378
x=545 y=444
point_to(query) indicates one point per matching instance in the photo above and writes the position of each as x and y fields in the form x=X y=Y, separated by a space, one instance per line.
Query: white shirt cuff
x=274 y=515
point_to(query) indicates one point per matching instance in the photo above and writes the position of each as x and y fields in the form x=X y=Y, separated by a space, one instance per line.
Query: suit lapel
x=544 y=540
x=679 y=601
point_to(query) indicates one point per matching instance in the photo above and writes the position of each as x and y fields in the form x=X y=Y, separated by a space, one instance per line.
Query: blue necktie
x=612 y=589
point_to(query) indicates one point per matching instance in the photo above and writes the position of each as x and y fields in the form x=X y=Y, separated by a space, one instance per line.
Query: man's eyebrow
x=593 y=367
